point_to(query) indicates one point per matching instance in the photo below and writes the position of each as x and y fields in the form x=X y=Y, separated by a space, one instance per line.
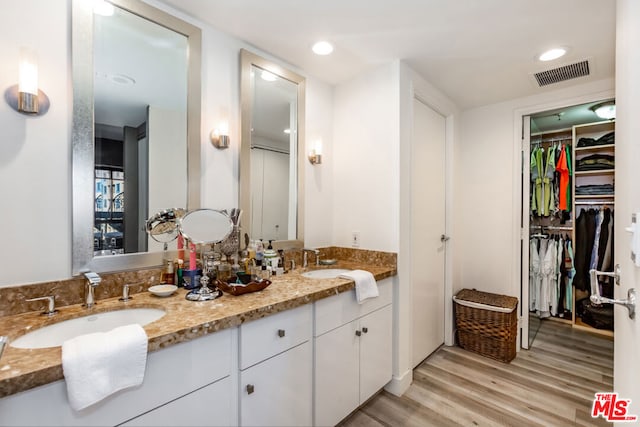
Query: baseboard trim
x=399 y=385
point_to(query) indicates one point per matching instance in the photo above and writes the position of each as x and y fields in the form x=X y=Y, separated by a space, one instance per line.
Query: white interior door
x=627 y=178
x=427 y=227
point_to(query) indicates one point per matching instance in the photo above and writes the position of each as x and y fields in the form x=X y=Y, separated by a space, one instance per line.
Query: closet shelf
x=595 y=196
x=595 y=172
x=607 y=147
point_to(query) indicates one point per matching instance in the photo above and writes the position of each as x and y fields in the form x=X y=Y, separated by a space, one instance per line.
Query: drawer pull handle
x=281 y=333
x=365 y=330
x=250 y=388
x=358 y=333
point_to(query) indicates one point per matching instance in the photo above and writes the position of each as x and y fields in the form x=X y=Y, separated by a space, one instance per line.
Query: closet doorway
x=428 y=241
x=567 y=222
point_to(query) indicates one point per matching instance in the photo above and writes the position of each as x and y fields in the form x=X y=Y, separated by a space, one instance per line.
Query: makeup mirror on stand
x=202 y=227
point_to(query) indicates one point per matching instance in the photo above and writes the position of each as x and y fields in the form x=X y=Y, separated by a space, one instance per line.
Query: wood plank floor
x=553 y=384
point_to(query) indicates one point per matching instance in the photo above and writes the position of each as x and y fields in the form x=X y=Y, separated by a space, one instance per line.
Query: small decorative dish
x=163 y=290
x=328 y=261
x=239 y=289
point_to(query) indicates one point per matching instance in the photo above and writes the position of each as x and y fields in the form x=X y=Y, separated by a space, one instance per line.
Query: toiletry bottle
x=259 y=250
x=270 y=245
x=179 y=271
x=168 y=275
x=252 y=249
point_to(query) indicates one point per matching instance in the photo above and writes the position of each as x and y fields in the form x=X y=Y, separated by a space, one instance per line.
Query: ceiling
x=476 y=52
x=564 y=118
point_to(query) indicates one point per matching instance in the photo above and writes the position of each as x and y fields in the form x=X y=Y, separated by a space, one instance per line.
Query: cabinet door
x=336 y=375
x=277 y=392
x=375 y=352
x=208 y=406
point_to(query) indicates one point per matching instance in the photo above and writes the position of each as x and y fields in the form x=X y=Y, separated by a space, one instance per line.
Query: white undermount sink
x=54 y=335
x=327 y=273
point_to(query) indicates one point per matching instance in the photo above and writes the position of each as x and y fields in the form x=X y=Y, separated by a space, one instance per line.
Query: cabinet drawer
x=343 y=308
x=264 y=338
x=208 y=406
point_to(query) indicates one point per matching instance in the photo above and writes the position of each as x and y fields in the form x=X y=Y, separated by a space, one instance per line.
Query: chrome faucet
x=305 y=262
x=93 y=280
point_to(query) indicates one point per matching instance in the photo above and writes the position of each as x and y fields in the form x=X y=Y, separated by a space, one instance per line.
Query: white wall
x=35 y=152
x=35 y=156
x=485 y=215
x=366 y=164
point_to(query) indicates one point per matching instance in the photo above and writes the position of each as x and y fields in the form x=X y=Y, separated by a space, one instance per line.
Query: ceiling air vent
x=561 y=74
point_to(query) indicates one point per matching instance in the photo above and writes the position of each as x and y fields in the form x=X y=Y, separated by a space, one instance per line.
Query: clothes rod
x=540 y=141
x=551 y=227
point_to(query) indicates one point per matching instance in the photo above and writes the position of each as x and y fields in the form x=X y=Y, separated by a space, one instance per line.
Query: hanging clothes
x=536 y=180
x=547 y=183
x=563 y=169
x=535 y=274
x=570 y=169
x=571 y=272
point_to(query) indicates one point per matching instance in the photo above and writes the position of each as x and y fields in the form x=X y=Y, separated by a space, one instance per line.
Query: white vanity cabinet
x=276 y=356
x=177 y=379
x=352 y=352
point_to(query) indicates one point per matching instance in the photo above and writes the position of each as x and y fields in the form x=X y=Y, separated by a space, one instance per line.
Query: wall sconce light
x=25 y=97
x=605 y=110
x=315 y=155
x=220 y=136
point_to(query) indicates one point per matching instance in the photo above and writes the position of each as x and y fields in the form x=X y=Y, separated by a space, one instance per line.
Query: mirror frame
x=83 y=153
x=247 y=60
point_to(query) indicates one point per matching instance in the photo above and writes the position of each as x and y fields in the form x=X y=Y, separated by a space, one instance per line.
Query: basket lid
x=487 y=298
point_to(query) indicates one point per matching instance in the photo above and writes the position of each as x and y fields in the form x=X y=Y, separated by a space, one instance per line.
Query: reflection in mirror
x=205 y=226
x=137 y=71
x=163 y=226
x=272 y=137
x=140 y=119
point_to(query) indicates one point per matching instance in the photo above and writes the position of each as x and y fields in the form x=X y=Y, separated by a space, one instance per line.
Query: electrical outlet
x=355 y=239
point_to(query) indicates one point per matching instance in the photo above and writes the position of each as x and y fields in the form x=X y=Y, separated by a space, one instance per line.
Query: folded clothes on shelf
x=607 y=139
x=595 y=162
x=594 y=190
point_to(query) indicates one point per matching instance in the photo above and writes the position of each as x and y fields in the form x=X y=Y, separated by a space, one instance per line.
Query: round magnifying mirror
x=163 y=226
x=205 y=226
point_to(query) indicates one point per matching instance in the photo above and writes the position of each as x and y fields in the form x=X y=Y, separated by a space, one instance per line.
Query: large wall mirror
x=136 y=129
x=271 y=164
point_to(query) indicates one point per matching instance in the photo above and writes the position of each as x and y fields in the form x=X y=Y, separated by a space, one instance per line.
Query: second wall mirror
x=271 y=164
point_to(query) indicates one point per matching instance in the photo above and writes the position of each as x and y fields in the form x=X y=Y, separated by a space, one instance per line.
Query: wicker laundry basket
x=487 y=323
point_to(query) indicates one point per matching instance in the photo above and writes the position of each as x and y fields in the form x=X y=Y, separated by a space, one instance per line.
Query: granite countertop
x=22 y=369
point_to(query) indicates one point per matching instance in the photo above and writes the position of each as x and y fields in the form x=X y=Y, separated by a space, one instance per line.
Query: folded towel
x=100 y=364
x=366 y=286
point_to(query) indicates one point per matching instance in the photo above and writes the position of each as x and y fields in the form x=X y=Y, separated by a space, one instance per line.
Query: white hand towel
x=366 y=286
x=100 y=364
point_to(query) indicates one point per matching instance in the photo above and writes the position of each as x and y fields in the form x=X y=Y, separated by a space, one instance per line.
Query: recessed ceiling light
x=322 y=48
x=102 y=8
x=268 y=76
x=552 y=54
x=121 y=79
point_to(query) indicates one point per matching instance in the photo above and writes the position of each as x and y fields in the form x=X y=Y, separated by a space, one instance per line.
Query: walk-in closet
x=570 y=155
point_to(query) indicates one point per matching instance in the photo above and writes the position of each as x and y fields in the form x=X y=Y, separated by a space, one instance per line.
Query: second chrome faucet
x=93 y=280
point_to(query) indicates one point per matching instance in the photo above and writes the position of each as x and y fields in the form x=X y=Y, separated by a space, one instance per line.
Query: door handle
x=444 y=238
x=596 y=298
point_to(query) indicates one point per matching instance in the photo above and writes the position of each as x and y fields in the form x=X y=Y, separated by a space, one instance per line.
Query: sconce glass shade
x=25 y=97
x=315 y=155
x=605 y=110
x=219 y=140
